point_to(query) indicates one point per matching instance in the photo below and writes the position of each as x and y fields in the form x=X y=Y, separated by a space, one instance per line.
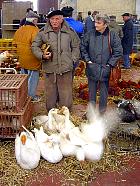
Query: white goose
x=27 y=151
x=95 y=129
x=52 y=123
x=68 y=123
x=48 y=145
x=77 y=137
x=93 y=151
x=40 y=120
x=67 y=148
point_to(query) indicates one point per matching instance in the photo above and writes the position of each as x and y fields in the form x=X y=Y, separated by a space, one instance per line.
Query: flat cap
x=32 y=14
x=126 y=14
x=112 y=17
x=53 y=13
x=67 y=11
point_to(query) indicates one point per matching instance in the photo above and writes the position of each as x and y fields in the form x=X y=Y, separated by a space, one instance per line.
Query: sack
x=115 y=75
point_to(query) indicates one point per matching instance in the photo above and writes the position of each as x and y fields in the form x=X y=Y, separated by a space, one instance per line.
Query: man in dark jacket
x=90 y=22
x=127 y=40
x=100 y=49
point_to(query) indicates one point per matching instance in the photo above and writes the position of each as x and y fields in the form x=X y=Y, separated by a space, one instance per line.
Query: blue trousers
x=126 y=61
x=103 y=87
x=33 y=79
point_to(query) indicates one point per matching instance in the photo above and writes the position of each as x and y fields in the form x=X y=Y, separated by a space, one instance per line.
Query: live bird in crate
x=5 y=55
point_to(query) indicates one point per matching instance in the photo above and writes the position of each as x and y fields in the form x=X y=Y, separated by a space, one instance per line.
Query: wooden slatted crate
x=11 y=122
x=13 y=92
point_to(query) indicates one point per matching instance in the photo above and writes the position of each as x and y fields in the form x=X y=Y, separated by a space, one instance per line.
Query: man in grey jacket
x=58 y=63
x=100 y=49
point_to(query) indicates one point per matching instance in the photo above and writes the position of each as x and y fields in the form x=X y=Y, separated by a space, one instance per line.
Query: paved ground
x=130 y=177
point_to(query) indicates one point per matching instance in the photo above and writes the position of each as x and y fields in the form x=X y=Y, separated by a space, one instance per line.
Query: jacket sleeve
x=34 y=33
x=117 y=51
x=75 y=46
x=36 y=46
x=84 y=48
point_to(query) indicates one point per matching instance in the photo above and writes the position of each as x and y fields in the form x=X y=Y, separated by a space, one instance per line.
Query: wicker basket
x=11 y=122
x=13 y=92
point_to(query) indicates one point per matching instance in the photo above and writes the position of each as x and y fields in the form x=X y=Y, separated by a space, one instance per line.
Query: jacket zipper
x=101 y=70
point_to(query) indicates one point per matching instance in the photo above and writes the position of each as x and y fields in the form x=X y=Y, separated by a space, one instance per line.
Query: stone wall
x=111 y=7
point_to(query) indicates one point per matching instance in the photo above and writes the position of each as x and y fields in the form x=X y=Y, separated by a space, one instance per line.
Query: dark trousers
x=59 y=90
x=103 y=88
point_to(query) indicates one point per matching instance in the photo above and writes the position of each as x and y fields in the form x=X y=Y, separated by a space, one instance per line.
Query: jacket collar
x=104 y=33
x=30 y=23
x=128 y=20
x=64 y=28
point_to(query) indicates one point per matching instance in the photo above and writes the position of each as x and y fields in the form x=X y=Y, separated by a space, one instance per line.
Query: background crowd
x=97 y=39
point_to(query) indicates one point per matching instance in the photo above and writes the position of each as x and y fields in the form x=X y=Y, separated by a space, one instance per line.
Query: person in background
x=41 y=21
x=113 y=25
x=76 y=25
x=22 y=22
x=127 y=40
x=89 y=21
x=57 y=63
x=100 y=48
x=136 y=29
x=79 y=17
x=30 y=65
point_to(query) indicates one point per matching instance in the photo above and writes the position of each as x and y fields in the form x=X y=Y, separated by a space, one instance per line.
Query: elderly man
x=100 y=48
x=57 y=64
x=127 y=40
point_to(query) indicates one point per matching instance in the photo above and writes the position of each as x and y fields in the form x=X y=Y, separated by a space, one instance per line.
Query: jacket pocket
x=93 y=71
x=105 y=73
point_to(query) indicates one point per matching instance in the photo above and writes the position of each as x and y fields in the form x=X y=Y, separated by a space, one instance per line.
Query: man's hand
x=47 y=55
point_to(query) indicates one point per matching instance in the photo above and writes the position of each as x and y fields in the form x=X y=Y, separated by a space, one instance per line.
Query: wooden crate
x=11 y=122
x=13 y=92
x=7 y=44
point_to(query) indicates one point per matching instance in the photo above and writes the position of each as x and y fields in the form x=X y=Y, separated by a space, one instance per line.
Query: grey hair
x=103 y=17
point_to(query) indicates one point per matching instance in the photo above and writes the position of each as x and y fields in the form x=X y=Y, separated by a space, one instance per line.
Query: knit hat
x=53 y=13
x=31 y=14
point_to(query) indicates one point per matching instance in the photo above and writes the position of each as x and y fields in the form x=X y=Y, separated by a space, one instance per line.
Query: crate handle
x=9 y=69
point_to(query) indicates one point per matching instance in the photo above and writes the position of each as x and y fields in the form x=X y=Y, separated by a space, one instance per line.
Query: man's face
x=35 y=21
x=125 y=18
x=100 y=25
x=56 y=21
